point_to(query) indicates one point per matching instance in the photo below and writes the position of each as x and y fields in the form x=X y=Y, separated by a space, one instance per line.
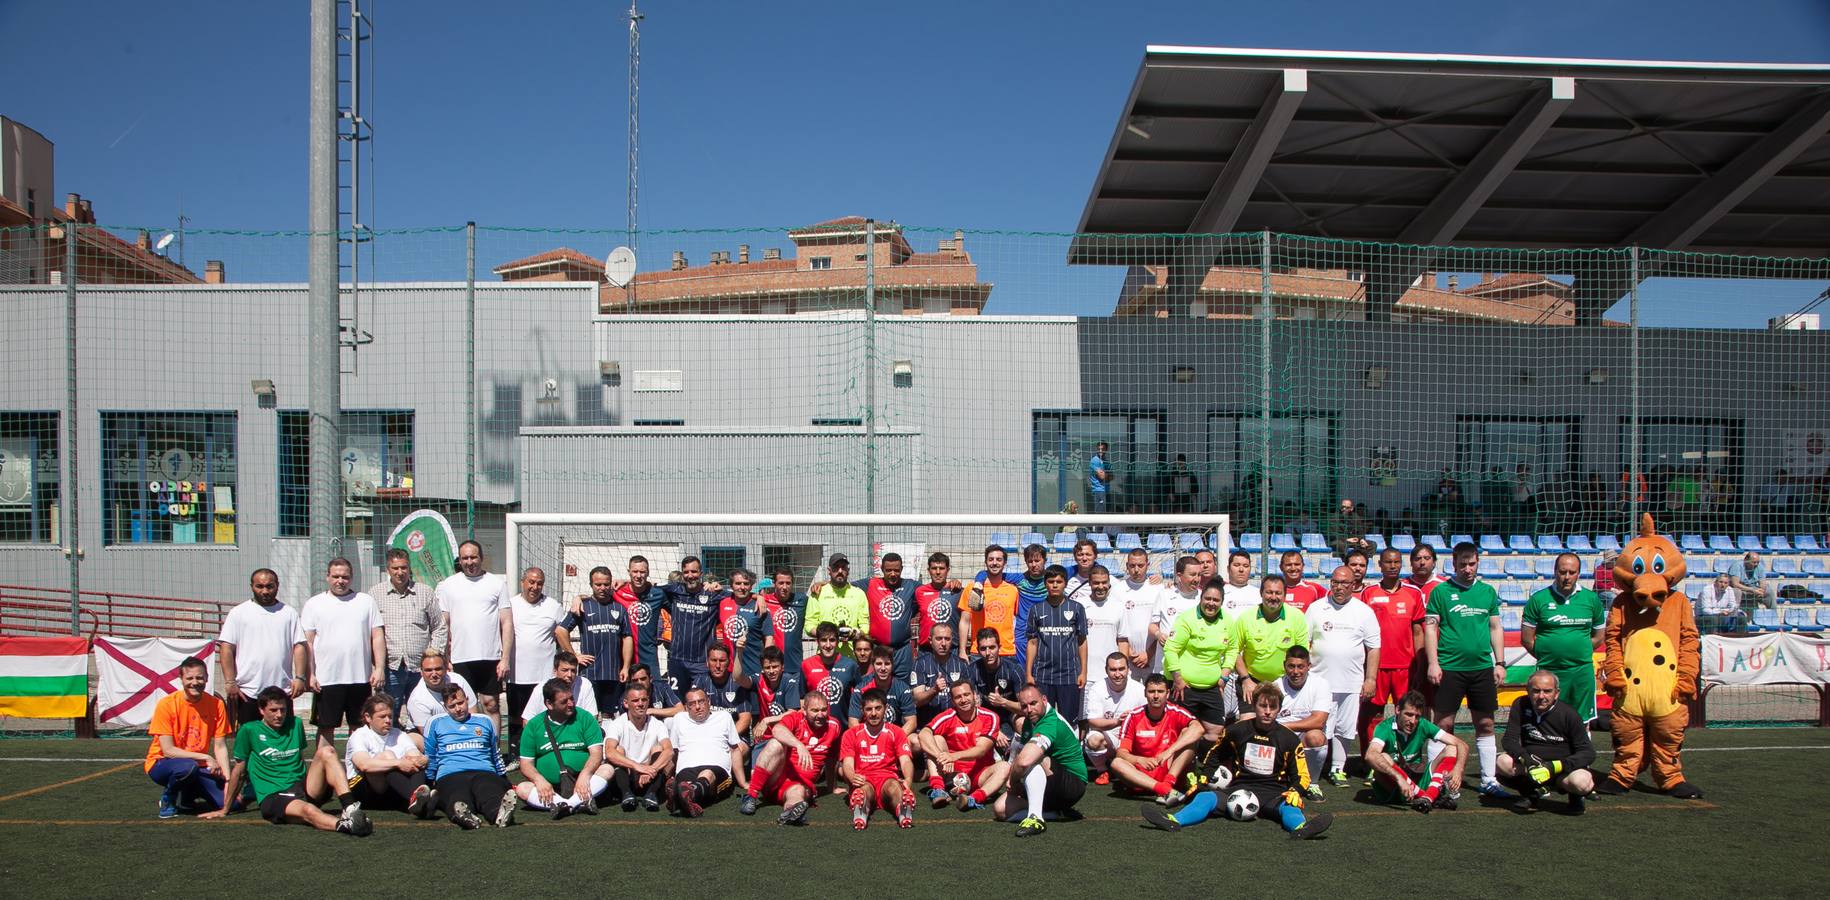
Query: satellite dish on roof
x=164 y=242
x=619 y=266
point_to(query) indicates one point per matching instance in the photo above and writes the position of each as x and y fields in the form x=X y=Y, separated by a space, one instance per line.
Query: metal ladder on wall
x=355 y=33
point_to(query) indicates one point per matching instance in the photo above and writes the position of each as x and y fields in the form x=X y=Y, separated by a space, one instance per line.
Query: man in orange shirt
x=189 y=756
x=992 y=603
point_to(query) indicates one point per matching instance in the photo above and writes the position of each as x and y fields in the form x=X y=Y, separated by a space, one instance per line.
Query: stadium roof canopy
x=1466 y=150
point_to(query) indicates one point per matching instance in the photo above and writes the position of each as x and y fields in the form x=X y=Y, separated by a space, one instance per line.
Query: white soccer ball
x=1242 y=806
x=1223 y=776
x=962 y=783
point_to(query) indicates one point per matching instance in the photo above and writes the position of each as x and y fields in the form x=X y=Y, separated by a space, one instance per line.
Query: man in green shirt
x=556 y=746
x=838 y=601
x=1466 y=648
x=1049 y=773
x=288 y=785
x=1399 y=755
x=1265 y=634
x=1562 y=627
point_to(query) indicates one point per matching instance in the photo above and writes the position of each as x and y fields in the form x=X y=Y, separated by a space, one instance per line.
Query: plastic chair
x=1749 y=543
x=1457 y=539
x=1491 y=543
x=1777 y=543
x=1544 y=567
x=1189 y=542
x=1815 y=565
x=1578 y=543
x=1521 y=543
x=1691 y=543
x=1550 y=543
x=1513 y=594
x=1159 y=543
x=1801 y=619
x=1035 y=537
x=1520 y=567
x=1251 y=541
x=1721 y=543
x=1377 y=541
x=1766 y=620
x=1128 y=542
x=1511 y=619
x=1101 y=541
x=1788 y=566
x=1807 y=543
x=1314 y=543
x=1491 y=568
x=1404 y=543
x=1064 y=541
x=1005 y=539
x=1436 y=543
x=1607 y=542
x=1282 y=542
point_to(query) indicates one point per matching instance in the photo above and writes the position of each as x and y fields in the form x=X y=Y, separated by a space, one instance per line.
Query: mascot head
x=1649 y=566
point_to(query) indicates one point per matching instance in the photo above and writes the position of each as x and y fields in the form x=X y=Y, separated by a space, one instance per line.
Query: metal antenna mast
x=635 y=130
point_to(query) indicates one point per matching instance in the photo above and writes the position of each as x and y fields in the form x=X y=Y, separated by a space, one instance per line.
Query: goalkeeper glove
x=1541 y=772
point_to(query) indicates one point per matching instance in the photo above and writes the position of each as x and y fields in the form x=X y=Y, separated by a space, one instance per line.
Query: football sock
x=1197 y=809
x=1291 y=815
x=1314 y=755
x=1439 y=776
x=758 y=777
x=1035 y=781
x=598 y=784
x=936 y=784
x=979 y=796
x=1162 y=788
x=1488 y=745
x=1338 y=748
x=347 y=798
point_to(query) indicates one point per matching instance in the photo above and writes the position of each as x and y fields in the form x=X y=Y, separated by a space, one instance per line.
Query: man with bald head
x=538 y=619
x=478 y=624
x=1344 y=641
x=1048 y=773
x=1562 y=627
x=1546 y=746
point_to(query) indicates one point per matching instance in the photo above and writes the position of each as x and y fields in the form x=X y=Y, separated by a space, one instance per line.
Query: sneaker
x=561 y=809
x=630 y=803
x=356 y=819
x=420 y=806
x=1173 y=798
x=965 y=803
x=1448 y=802
x=506 y=815
x=1576 y=805
x=905 y=812
x=1157 y=817
x=1312 y=827
x=1422 y=804
x=589 y=806
x=1030 y=827
x=1315 y=793
x=793 y=815
x=167 y=808
x=688 y=804
x=748 y=805
x=1338 y=778
x=939 y=798
x=465 y=818
x=1525 y=804
x=1103 y=778
x=651 y=803
x=1496 y=791
x=1367 y=782
x=860 y=814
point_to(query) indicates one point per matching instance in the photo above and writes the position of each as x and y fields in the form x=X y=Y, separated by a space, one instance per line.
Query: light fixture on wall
x=1183 y=374
x=902 y=373
x=264 y=394
x=1598 y=376
x=610 y=371
x=549 y=391
x=1375 y=377
x=1140 y=126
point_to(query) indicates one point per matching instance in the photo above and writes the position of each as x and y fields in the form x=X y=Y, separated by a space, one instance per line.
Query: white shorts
x=1344 y=719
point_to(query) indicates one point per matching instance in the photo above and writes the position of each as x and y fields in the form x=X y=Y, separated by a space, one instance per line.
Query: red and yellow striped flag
x=44 y=677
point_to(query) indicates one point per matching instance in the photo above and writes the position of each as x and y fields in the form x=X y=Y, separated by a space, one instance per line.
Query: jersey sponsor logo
x=939 y=610
x=736 y=629
x=786 y=620
x=830 y=688
x=1260 y=759
x=893 y=608
x=644 y=614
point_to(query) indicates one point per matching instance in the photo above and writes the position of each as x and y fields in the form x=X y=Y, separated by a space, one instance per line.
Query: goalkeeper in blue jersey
x=1262 y=758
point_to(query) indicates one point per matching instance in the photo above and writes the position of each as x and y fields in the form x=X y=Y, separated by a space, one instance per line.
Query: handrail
x=25 y=609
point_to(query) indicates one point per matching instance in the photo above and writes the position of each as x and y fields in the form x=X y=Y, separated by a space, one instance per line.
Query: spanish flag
x=44 y=677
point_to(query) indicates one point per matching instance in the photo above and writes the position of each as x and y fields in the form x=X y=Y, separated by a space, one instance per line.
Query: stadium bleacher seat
x=1766 y=620
x=1493 y=543
x=1521 y=543
x=1807 y=543
x=1377 y=541
x=1777 y=543
x=1324 y=568
x=1513 y=594
x=1820 y=588
x=1815 y=566
x=1721 y=543
x=1159 y=543
x=1692 y=543
x=1723 y=565
x=1788 y=567
x=1251 y=541
x=1520 y=567
x=1189 y=542
x=1436 y=543
x=1167 y=569
x=1314 y=543
x=1607 y=542
x=1101 y=541
x=1404 y=543
x=1460 y=539
x=1544 y=567
x=1749 y=543
x=1064 y=541
x=1579 y=543
x=1006 y=540
x=1801 y=619
x=1034 y=537
x=1282 y=542
x=1550 y=543
x=1128 y=542
x=1511 y=619
x=1491 y=568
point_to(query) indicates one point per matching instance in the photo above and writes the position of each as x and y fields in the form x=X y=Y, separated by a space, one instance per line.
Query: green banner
x=430 y=545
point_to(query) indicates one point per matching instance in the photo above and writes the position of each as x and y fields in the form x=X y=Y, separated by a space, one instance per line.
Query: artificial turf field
x=77 y=819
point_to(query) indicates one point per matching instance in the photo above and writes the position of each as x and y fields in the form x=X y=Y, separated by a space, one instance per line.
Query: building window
x=29 y=481
x=660 y=423
x=1304 y=451
x=718 y=562
x=168 y=478
x=1064 y=441
x=820 y=262
x=838 y=421
x=376 y=464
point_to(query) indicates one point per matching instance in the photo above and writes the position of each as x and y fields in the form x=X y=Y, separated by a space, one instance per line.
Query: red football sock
x=935 y=783
x=1163 y=788
x=979 y=797
x=758 y=777
x=1439 y=776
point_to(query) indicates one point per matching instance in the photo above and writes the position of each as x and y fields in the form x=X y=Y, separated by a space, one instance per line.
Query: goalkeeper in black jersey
x=1256 y=755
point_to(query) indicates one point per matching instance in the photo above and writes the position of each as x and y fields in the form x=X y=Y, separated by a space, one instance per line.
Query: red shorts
x=878 y=796
x=1390 y=684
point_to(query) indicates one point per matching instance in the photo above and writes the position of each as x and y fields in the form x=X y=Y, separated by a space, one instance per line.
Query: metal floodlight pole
x=1265 y=317
x=470 y=381
x=870 y=365
x=1633 y=466
x=324 y=343
x=72 y=535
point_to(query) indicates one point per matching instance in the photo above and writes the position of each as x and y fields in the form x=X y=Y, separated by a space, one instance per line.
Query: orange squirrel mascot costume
x=1653 y=657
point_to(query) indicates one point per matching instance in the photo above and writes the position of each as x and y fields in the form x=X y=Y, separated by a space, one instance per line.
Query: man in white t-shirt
x=707 y=749
x=538 y=619
x=262 y=646
x=386 y=765
x=348 y=647
x=1105 y=620
x=1305 y=709
x=637 y=753
x=1238 y=596
x=1344 y=639
x=478 y=624
x=427 y=700
x=584 y=694
x=1171 y=603
x=1107 y=702
x=1137 y=596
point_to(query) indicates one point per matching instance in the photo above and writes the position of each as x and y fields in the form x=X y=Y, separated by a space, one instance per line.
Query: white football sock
x=1315 y=759
x=1338 y=748
x=1487 y=746
x=1035 y=781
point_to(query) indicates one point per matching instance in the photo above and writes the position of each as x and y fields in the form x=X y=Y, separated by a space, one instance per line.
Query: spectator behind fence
x=1750 y=581
x=1719 y=606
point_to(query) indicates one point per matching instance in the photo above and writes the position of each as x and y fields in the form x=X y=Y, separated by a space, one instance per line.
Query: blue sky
x=974 y=115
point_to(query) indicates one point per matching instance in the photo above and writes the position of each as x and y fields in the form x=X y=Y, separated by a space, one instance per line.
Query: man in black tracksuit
x=1546 y=747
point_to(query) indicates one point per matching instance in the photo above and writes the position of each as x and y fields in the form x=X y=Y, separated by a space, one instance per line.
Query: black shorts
x=481 y=674
x=1476 y=686
x=1208 y=704
x=273 y=808
x=518 y=695
x=1063 y=791
x=1270 y=796
x=1065 y=698
x=339 y=703
x=245 y=709
x=720 y=779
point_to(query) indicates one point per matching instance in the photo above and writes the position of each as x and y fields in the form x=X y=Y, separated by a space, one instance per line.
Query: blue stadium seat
x=1460 y=539
x=1511 y=619
x=1324 y=568
x=1436 y=543
x=1282 y=542
x=1006 y=540
x=1315 y=543
x=1404 y=543
x=1034 y=537
x=1101 y=541
x=1807 y=543
x=1550 y=543
x=1513 y=594
x=1724 y=565
x=1491 y=543
x=1815 y=565
x=1167 y=569
x=1788 y=567
x=1579 y=543
x=1721 y=543
x=1520 y=567
x=1377 y=541
x=1159 y=543
x=1128 y=542
x=1312 y=567
x=1749 y=543
x=1251 y=541
x=1820 y=588
x=1691 y=543
x=1213 y=543
x=1544 y=567
x=1189 y=542
x=1064 y=541
x=1607 y=542
x=1823 y=615
x=1521 y=543
x=1766 y=620
x=1491 y=568
x=1777 y=543
x=1800 y=619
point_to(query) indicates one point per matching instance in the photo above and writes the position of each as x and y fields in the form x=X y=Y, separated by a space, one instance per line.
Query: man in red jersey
x=1156 y=744
x=890 y=600
x=874 y=759
x=937 y=600
x=1297 y=592
x=962 y=747
x=788 y=766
